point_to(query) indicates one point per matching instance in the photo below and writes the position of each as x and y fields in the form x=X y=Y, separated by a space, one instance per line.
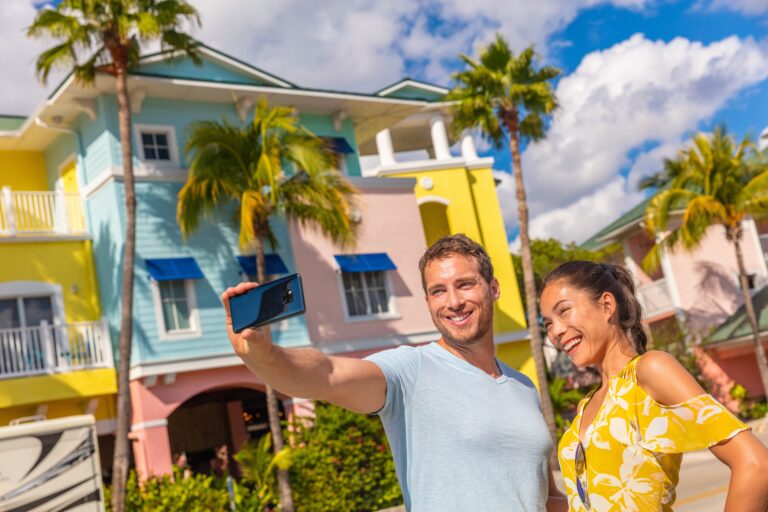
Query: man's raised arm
x=351 y=383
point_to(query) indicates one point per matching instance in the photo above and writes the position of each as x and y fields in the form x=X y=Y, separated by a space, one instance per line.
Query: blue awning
x=273 y=263
x=370 y=262
x=167 y=269
x=338 y=145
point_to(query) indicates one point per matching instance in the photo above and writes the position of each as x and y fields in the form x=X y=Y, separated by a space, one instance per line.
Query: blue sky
x=639 y=76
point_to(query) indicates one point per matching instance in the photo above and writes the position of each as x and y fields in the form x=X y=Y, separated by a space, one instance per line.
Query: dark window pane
x=37 y=309
x=162 y=154
x=149 y=153
x=9 y=314
x=146 y=139
x=161 y=139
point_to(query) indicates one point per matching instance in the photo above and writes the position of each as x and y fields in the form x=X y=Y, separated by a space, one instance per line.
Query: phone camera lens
x=287 y=296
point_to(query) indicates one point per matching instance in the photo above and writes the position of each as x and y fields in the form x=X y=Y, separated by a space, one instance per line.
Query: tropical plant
x=549 y=254
x=719 y=183
x=173 y=493
x=507 y=97
x=344 y=463
x=258 y=463
x=270 y=166
x=564 y=402
x=104 y=36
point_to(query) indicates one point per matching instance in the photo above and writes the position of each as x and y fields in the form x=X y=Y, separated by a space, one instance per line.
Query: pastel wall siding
x=390 y=224
x=707 y=278
x=214 y=247
x=23 y=170
x=65 y=263
x=739 y=364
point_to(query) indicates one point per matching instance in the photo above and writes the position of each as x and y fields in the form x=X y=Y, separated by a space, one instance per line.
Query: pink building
x=698 y=290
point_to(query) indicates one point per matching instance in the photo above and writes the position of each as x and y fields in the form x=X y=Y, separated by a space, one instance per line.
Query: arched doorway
x=209 y=421
x=434 y=218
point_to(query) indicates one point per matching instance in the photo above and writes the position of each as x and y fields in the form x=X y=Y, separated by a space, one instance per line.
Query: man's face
x=459 y=299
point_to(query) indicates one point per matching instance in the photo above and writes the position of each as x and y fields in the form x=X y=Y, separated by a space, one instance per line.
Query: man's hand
x=249 y=343
x=349 y=382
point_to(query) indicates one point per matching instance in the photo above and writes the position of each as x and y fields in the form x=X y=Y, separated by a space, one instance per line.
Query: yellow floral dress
x=633 y=449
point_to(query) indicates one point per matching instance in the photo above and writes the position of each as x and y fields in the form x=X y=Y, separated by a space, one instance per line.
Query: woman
x=624 y=447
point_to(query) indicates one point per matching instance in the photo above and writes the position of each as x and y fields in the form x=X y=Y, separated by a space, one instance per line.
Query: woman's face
x=576 y=323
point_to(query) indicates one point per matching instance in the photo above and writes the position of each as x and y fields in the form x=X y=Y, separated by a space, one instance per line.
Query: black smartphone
x=267 y=303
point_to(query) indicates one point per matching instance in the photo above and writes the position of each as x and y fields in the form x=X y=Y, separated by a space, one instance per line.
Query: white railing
x=655 y=298
x=54 y=349
x=40 y=213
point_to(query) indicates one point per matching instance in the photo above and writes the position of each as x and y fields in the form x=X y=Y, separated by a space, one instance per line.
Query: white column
x=439 y=138
x=385 y=148
x=468 y=150
x=6 y=201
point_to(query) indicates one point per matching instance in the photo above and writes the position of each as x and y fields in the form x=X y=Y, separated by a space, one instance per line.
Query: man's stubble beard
x=484 y=324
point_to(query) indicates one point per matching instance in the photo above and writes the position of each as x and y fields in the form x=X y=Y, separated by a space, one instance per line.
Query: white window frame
x=194 y=330
x=392 y=314
x=32 y=289
x=173 y=148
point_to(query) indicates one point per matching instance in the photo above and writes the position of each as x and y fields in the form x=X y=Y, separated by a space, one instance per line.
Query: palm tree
x=505 y=96
x=719 y=182
x=271 y=166
x=105 y=36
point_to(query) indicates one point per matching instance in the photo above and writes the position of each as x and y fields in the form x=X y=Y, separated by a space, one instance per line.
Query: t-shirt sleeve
x=401 y=368
x=698 y=423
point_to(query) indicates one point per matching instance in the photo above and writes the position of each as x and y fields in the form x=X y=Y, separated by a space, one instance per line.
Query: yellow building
x=456 y=194
x=55 y=351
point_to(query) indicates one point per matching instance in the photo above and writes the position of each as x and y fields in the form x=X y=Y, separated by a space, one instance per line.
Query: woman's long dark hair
x=598 y=278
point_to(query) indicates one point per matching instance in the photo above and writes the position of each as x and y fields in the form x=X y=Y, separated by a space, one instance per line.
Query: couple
x=466 y=431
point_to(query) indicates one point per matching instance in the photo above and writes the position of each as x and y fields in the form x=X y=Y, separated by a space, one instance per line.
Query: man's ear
x=495 y=289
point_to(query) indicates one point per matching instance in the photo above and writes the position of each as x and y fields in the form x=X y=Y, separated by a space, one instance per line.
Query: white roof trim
x=412 y=83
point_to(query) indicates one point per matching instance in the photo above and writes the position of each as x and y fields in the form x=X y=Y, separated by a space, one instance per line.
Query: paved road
x=703 y=480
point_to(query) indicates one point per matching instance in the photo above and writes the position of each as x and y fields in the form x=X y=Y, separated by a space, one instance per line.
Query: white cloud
x=618 y=100
x=743 y=6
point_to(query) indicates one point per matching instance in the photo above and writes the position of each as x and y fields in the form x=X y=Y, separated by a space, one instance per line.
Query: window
x=366 y=293
x=175 y=306
x=18 y=312
x=155 y=146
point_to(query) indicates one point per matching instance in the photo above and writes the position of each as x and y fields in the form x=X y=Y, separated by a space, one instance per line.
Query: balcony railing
x=48 y=349
x=40 y=213
x=655 y=298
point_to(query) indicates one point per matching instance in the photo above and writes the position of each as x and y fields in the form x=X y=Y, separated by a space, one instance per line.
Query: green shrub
x=198 y=493
x=258 y=489
x=748 y=408
x=342 y=464
x=564 y=402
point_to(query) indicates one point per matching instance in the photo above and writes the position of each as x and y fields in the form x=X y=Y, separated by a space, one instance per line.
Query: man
x=466 y=431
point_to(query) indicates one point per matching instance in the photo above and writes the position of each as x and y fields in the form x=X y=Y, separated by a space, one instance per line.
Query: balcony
x=49 y=349
x=655 y=298
x=41 y=214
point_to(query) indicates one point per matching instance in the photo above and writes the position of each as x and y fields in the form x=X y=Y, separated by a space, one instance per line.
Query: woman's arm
x=556 y=501
x=747 y=457
x=667 y=382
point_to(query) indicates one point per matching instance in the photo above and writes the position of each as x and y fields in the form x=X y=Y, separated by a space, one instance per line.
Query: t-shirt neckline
x=460 y=364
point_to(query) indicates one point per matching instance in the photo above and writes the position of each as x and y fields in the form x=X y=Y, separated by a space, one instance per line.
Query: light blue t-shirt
x=463 y=441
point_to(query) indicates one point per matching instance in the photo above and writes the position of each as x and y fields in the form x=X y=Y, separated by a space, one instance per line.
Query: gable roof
x=737 y=325
x=168 y=64
x=408 y=88
x=629 y=219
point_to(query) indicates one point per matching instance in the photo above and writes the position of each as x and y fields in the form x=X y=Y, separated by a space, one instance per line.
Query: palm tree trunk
x=762 y=363
x=121 y=459
x=537 y=348
x=283 y=481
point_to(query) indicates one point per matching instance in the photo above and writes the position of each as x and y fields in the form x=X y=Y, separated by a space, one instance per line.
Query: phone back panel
x=270 y=302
